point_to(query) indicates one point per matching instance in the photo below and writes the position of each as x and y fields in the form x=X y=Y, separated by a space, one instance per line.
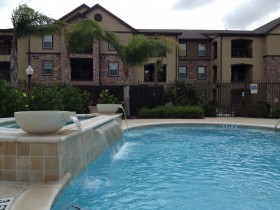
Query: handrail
x=277 y=124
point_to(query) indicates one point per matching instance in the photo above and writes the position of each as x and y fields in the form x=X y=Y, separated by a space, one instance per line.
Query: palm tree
x=136 y=52
x=28 y=22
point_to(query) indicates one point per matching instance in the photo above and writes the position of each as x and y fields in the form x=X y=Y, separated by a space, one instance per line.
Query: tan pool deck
x=39 y=196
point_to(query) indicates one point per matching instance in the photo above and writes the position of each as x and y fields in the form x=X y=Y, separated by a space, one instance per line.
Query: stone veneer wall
x=272 y=73
x=45 y=160
x=272 y=68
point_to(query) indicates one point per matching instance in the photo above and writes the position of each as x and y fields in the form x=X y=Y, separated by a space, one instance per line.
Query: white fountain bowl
x=42 y=122
x=108 y=108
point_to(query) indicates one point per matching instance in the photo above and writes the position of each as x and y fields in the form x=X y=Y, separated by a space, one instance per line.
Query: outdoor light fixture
x=29 y=72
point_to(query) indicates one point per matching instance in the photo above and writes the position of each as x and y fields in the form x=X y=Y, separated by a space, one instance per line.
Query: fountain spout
x=77 y=123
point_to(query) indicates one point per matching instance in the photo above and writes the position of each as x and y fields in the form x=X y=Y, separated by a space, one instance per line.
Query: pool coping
x=42 y=195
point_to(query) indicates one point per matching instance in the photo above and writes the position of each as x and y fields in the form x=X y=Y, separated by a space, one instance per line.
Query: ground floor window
x=182 y=72
x=113 y=69
x=81 y=69
x=47 y=68
x=201 y=72
x=149 y=73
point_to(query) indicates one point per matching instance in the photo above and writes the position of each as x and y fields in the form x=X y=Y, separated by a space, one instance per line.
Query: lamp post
x=29 y=72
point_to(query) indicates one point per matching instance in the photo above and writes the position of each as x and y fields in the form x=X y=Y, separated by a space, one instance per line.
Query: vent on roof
x=98 y=17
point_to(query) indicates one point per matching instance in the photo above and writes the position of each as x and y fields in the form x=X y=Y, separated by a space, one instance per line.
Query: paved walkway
x=14 y=189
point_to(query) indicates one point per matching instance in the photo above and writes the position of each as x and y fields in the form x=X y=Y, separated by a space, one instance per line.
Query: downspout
x=99 y=68
x=28 y=50
x=177 y=57
x=221 y=59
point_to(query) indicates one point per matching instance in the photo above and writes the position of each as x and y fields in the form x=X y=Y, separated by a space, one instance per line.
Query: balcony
x=241 y=53
x=5 y=49
x=241 y=48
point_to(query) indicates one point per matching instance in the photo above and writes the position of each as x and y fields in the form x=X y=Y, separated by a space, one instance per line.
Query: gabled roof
x=111 y=14
x=74 y=13
x=267 y=27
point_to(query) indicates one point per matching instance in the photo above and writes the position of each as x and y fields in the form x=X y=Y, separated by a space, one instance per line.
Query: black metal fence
x=246 y=99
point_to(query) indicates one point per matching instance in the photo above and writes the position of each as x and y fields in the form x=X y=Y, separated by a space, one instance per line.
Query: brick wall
x=272 y=68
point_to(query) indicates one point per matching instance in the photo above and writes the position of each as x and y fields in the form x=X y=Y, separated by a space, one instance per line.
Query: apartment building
x=207 y=55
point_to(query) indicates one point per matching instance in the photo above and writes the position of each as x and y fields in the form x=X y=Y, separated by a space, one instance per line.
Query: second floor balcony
x=241 y=53
x=5 y=49
x=241 y=48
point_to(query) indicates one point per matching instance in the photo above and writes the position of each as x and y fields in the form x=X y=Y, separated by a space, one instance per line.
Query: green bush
x=11 y=100
x=51 y=97
x=55 y=97
x=182 y=93
x=171 y=112
x=46 y=97
x=73 y=99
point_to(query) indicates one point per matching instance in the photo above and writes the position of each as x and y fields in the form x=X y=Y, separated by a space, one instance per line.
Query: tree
x=158 y=68
x=136 y=52
x=28 y=22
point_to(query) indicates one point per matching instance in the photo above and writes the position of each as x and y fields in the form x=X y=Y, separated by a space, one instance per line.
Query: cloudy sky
x=163 y=14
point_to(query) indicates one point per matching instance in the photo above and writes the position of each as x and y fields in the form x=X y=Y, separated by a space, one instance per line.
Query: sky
x=163 y=14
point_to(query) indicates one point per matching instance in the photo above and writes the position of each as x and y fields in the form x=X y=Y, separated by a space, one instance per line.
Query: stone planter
x=42 y=122
x=108 y=108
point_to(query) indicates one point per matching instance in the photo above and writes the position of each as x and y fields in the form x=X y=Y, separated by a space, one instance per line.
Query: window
x=47 y=68
x=113 y=69
x=182 y=72
x=47 y=42
x=149 y=73
x=111 y=47
x=201 y=74
x=201 y=50
x=183 y=50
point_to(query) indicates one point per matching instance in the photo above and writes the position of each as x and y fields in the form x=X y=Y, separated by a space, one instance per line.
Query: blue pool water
x=182 y=167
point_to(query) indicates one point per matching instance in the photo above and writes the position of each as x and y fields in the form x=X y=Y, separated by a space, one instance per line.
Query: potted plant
x=108 y=103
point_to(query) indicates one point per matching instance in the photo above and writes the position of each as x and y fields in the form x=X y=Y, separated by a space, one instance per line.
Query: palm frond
x=81 y=36
x=28 y=22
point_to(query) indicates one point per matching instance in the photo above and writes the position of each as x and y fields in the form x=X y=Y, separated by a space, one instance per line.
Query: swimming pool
x=182 y=167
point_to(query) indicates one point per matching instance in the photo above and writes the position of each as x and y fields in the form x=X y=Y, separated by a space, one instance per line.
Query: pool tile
x=23 y=149
x=9 y=148
x=37 y=149
x=37 y=163
x=9 y=163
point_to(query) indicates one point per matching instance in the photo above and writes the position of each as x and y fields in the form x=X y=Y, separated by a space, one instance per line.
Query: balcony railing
x=241 y=53
x=5 y=49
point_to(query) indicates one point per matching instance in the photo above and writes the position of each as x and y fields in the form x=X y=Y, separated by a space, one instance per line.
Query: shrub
x=182 y=93
x=46 y=97
x=171 y=112
x=55 y=97
x=106 y=98
x=11 y=100
x=73 y=99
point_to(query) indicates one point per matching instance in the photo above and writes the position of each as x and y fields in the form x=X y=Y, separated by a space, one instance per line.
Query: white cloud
x=246 y=14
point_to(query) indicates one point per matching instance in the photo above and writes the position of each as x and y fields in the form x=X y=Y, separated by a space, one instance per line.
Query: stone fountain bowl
x=42 y=122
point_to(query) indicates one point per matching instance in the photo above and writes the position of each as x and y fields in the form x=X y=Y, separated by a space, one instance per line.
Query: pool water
x=183 y=167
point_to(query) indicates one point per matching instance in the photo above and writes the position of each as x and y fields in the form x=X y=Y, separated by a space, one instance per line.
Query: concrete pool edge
x=134 y=124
